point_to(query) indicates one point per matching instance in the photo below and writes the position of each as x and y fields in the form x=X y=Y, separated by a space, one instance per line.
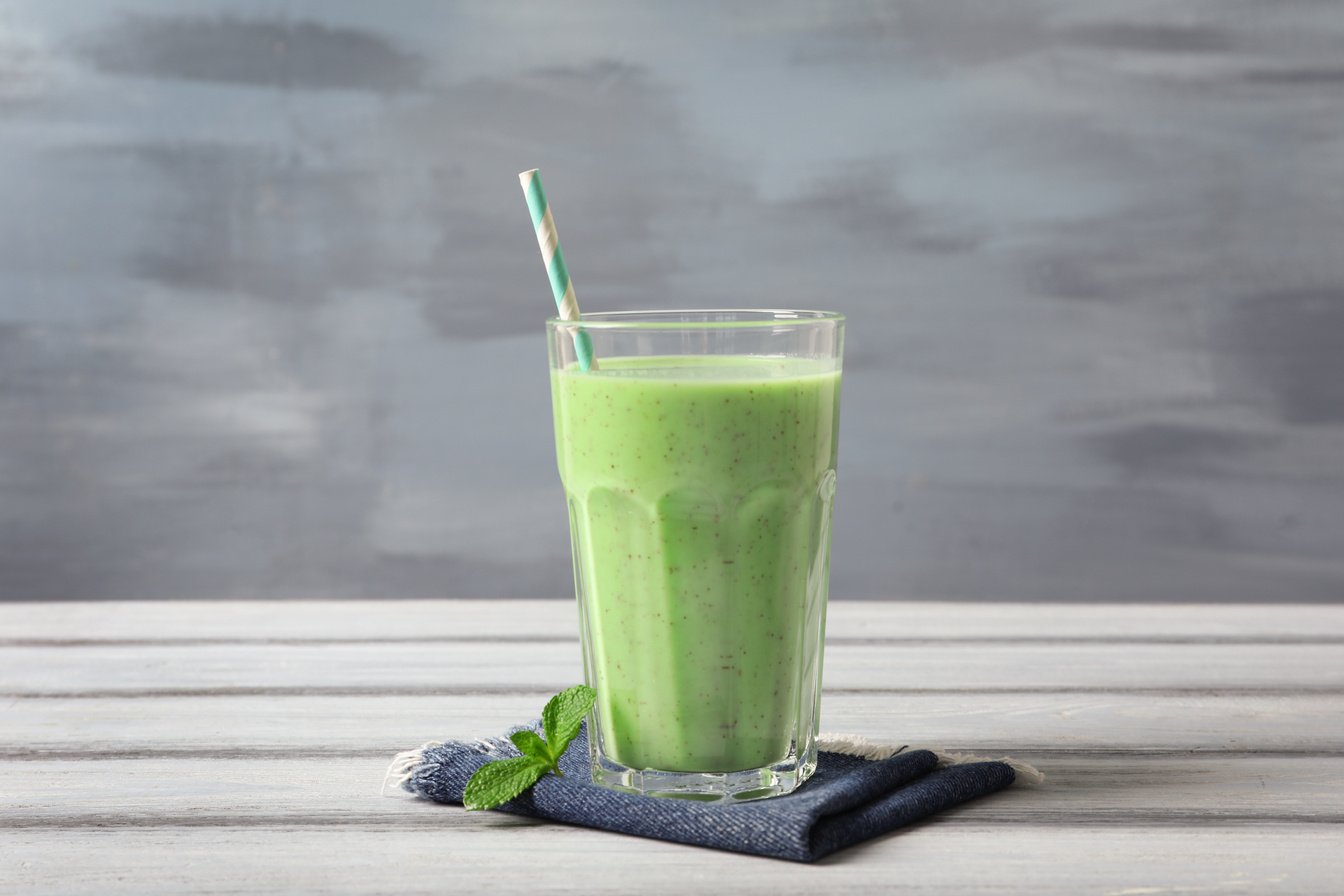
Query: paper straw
x=554 y=259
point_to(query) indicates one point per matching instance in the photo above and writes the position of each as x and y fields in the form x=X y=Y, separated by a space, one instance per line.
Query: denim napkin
x=848 y=800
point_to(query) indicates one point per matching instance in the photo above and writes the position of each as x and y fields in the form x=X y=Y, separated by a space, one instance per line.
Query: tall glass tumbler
x=698 y=456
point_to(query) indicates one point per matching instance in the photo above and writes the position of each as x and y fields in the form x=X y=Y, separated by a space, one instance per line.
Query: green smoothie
x=700 y=501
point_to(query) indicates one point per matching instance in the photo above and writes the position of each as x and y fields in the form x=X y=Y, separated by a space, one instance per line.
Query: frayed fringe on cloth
x=855 y=745
x=405 y=763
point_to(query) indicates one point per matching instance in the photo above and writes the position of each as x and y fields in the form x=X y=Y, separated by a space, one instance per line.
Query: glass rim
x=698 y=318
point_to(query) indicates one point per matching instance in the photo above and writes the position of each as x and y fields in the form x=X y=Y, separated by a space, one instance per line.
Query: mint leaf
x=498 y=782
x=563 y=715
x=531 y=745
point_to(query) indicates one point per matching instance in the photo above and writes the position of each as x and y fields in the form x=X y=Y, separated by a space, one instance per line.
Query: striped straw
x=554 y=259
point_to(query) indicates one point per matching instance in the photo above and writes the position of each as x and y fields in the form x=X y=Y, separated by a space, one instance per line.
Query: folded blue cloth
x=848 y=800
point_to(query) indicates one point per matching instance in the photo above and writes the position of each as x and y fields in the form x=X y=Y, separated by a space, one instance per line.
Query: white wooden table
x=240 y=747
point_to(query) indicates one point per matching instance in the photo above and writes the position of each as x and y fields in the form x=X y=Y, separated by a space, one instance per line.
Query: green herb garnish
x=500 y=781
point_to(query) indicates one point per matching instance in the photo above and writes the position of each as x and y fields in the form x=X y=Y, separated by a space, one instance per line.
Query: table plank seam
x=835 y=640
x=435 y=821
x=265 y=753
x=527 y=690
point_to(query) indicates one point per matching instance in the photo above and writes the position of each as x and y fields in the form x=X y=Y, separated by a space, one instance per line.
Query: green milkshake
x=699 y=494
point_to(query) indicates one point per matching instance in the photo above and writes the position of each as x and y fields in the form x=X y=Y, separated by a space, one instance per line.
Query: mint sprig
x=500 y=781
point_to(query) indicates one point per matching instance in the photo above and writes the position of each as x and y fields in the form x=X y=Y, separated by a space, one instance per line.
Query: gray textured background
x=270 y=307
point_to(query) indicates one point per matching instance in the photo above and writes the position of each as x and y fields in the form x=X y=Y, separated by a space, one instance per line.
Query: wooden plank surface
x=344 y=725
x=508 y=855
x=420 y=620
x=475 y=667
x=227 y=747
x=317 y=791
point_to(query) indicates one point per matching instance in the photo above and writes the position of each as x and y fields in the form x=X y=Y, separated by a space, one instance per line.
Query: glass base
x=738 y=786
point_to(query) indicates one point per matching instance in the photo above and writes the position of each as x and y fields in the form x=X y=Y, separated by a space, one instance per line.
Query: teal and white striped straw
x=554 y=259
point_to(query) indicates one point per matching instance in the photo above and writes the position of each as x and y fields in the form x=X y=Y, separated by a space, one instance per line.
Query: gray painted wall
x=270 y=305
